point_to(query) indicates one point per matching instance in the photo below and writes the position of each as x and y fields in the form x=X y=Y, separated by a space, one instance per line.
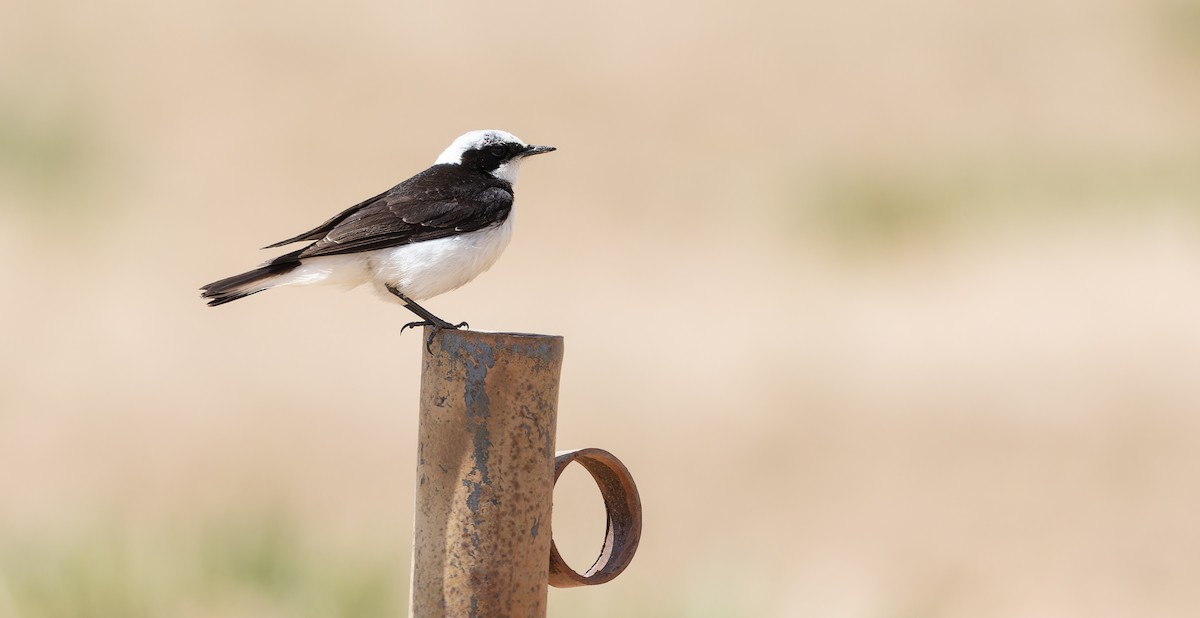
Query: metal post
x=485 y=475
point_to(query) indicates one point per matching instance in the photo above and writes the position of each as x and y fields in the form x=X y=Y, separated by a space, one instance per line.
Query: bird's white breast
x=425 y=269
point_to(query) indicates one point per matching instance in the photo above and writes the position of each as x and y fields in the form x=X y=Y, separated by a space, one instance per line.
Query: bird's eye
x=498 y=151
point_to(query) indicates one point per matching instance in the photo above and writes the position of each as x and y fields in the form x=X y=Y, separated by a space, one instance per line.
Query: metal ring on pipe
x=624 y=509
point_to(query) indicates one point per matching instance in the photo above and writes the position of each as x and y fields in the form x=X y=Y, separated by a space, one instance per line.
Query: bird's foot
x=415 y=325
x=438 y=327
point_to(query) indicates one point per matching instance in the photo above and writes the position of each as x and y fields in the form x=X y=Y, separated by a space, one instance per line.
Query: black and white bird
x=425 y=236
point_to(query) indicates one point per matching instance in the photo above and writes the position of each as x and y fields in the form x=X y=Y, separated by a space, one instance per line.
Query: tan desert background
x=892 y=308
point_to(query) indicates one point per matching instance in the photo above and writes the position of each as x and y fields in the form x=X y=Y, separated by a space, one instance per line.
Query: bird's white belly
x=425 y=269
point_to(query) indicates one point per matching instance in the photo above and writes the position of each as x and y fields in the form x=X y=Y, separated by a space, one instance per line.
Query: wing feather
x=442 y=201
x=321 y=230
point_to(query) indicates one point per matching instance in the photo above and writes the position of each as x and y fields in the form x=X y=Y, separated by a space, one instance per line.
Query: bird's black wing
x=321 y=230
x=443 y=201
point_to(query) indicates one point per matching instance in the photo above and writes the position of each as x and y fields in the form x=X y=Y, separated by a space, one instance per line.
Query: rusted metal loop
x=624 y=508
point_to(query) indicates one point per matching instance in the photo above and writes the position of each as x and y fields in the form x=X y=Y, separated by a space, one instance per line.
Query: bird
x=426 y=236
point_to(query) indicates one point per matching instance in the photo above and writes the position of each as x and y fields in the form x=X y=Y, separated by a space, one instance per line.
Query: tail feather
x=250 y=282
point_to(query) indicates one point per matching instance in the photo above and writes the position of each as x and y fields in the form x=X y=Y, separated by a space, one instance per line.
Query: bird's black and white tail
x=251 y=282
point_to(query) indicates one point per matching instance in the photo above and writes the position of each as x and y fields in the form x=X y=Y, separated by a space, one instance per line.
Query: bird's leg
x=428 y=319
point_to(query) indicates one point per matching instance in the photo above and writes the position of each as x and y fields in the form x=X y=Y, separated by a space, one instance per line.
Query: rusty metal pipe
x=485 y=474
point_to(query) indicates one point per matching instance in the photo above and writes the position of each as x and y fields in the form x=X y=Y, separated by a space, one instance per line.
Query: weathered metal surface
x=485 y=475
x=624 y=508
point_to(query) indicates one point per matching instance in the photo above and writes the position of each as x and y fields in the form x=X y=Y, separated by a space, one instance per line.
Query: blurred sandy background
x=891 y=307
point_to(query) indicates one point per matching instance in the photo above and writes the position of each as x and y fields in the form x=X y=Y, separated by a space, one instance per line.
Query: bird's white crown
x=475 y=140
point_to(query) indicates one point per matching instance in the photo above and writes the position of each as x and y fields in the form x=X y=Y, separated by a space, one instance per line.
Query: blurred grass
x=49 y=148
x=248 y=565
x=1180 y=23
x=877 y=208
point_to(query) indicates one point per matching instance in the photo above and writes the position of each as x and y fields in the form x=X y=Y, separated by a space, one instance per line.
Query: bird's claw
x=437 y=328
x=414 y=325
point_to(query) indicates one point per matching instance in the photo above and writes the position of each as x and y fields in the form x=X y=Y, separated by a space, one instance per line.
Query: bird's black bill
x=536 y=150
